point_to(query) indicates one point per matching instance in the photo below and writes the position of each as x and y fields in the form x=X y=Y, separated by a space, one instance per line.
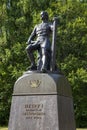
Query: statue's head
x=44 y=15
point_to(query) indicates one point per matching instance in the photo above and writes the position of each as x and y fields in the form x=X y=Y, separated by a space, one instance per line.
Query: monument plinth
x=42 y=101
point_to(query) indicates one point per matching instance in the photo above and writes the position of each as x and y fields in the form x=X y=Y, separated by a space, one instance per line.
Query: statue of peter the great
x=42 y=44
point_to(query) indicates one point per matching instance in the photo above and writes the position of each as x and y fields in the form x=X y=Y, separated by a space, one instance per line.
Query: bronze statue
x=42 y=44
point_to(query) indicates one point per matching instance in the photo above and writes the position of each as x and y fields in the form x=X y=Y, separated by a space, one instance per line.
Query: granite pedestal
x=41 y=102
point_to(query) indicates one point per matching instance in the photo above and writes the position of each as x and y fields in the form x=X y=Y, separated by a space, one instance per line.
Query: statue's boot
x=33 y=65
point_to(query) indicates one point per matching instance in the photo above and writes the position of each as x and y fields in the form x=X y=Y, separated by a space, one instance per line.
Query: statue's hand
x=28 y=42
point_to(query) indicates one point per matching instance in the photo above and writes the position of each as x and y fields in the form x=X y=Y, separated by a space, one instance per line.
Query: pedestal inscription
x=33 y=111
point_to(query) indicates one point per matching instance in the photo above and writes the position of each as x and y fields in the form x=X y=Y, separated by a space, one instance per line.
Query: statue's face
x=44 y=15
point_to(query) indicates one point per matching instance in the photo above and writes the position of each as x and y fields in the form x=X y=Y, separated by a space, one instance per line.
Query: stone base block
x=42 y=102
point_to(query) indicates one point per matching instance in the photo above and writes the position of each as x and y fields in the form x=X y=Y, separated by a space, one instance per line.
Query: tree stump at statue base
x=42 y=101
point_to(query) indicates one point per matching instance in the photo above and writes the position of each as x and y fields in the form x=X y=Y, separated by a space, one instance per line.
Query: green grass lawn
x=5 y=128
x=81 y=129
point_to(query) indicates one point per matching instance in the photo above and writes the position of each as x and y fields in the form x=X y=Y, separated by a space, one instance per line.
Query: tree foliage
x=17 y=19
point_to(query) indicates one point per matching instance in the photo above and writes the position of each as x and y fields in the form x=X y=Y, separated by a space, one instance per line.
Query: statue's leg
x=45 y=59
x=30 y=49
x=39 y=63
